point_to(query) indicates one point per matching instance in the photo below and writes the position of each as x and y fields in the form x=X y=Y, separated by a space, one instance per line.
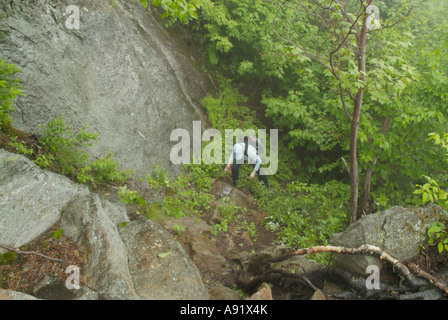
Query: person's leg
x=235 y=172
x=262 y=177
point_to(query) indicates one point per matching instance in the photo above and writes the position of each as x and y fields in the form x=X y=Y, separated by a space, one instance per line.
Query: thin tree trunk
x=364 y=207
x=354 y=171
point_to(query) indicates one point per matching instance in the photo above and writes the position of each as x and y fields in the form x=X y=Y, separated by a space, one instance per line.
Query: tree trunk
x=354 y=171
x=364 y=207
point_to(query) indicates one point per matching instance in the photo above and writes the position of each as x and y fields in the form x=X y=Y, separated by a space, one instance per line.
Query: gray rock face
x=120 y=263
x=86 y=221
x=203 y=252
x=31 y=199
x=14 y=295
x=159 y=266
x=118 y=74
x=398 y=231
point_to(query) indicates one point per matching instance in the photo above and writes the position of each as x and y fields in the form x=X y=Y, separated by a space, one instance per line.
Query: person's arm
x=229 y=163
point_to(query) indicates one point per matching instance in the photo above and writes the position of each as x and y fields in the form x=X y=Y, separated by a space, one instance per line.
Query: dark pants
x=236 y=173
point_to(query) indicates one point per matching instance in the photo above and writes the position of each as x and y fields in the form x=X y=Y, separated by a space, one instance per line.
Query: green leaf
x=440 y=247
x=163 y=254
x=123 y=224
x=58 y=233
x=144 y=3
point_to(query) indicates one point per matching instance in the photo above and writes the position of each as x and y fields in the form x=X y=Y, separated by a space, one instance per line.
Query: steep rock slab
x=118 y=73
x=159 y=267
x=398 y=231
x=14 y=295
x=203 y=252
x=87 y=222
x=31 y=199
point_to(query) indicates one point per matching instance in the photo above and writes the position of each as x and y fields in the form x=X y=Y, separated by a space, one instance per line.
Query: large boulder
x=398 y=231
x=119 y=74
x=31 y=199
x=14 y=295
x=87 y=223
x=121 y=260
x=159 y=266
x=203 y=252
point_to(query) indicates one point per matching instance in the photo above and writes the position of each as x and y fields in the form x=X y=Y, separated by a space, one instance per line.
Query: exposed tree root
x=301 y=286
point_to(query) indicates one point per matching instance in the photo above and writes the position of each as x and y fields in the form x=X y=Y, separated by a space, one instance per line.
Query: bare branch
x=341 y=94
x=332 y=53
x=364 y=249
x=429 y=277
x=18 y=251
x=346 y=165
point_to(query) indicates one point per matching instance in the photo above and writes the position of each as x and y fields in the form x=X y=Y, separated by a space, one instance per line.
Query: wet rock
x=117 y=261
x=193 y=224
x=318 y=295
x=399 y=231
x=87 y=223
x=119 y=74
x=220 y=292
x=203 y=252
x=159 y=266
x=31 y=199
x=55 y=289
x=14 y=295
x=263 y=293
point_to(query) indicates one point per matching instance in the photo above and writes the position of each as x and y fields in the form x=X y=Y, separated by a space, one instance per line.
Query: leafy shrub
x=181 y=196
x=68 y=150
x=438 y=234
x=130 y=197
x=10 y=89
x=307 y=215
x=103 y=171
x=68 y=154
x=181 y=10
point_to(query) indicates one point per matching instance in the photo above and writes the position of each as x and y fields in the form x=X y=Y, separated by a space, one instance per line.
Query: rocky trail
x=224 y=254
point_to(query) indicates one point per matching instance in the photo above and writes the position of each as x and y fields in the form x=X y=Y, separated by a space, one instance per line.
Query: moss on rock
x=7 y=258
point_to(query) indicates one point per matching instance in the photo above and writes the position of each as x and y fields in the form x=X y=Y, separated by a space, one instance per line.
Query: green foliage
x=181 y=196
x=178 y=228
x=44 y=160
x=58 y=233
x=103 y=171
x=438 y=234
x=123 y=224
x=404 y=95
x=431 y=191
x=182 y=10
x=250 y=227
x=306 y=214
x=219 y=227
x=20 y=147
x=10 y=90
x=131 y=197
x=229 y=213
x=228 y=111
x=68 y=154
x=7 y=258
x=68 y=149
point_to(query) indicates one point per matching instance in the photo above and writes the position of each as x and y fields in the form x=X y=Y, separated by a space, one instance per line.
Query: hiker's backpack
x=256 y=143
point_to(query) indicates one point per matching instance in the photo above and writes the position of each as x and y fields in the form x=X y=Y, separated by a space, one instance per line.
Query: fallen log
x=412 y=286
x=402 y=271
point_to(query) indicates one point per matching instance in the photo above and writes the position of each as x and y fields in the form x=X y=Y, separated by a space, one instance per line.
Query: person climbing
x=246 y=151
